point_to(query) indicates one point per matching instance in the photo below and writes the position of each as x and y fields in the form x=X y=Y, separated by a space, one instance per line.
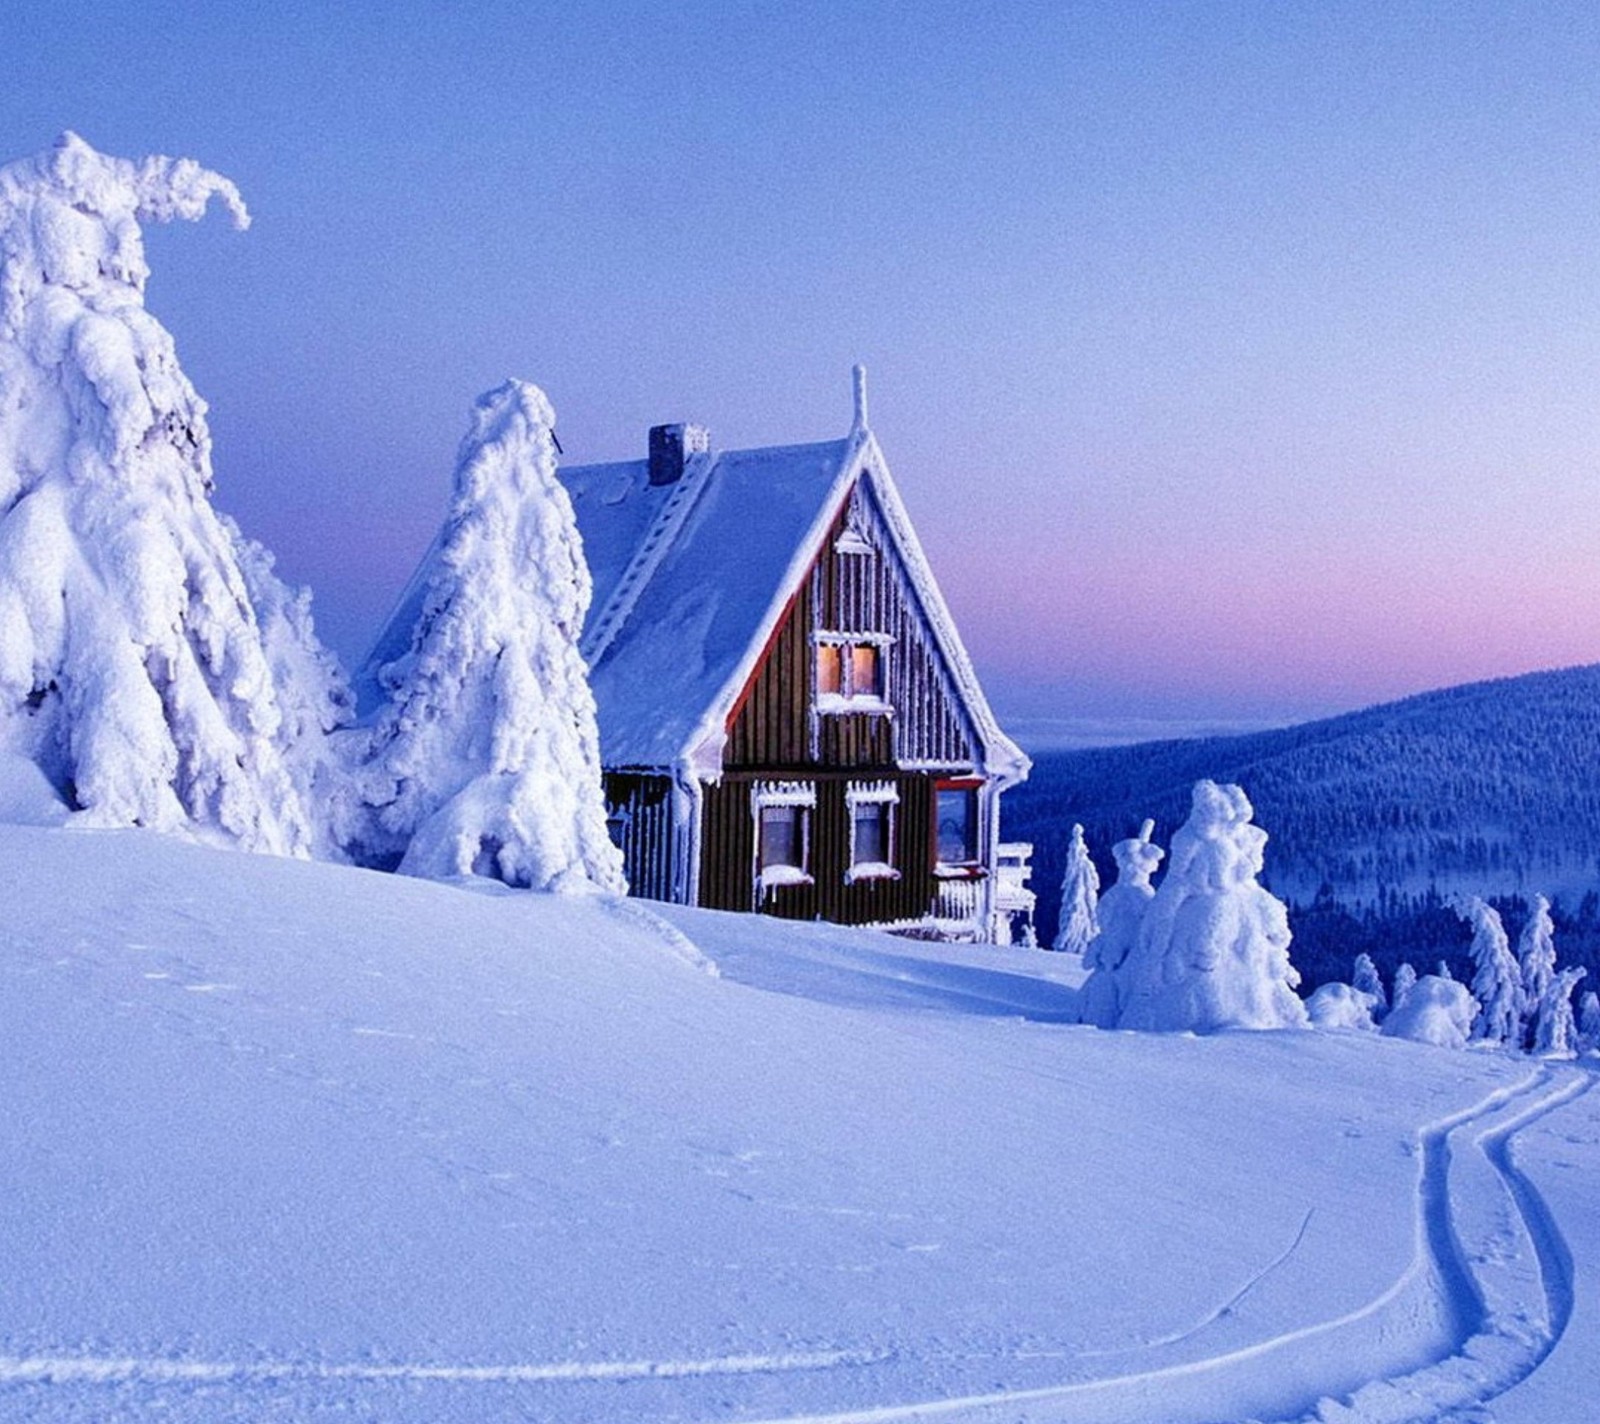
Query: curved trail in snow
x=1485 y=1298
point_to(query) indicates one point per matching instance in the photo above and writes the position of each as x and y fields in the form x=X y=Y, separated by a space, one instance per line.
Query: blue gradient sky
x=1236 y=360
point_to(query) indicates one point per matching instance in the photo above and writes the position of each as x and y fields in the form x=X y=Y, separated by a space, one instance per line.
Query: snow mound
x=132 y=668
x=1213 y=950
x=1340 y=1006
x=1437 y=1011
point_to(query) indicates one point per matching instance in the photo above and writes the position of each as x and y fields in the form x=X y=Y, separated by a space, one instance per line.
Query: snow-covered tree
x=132 y=665
x=1436 y=1010
x=1121 y=911
x=1536 y=954
x=1555 y=1035
x=1443 y=971
x=486 y=758
x=1213 y=950
x=1497 y=985
x=1589 y=1022
x=1338 y=1005
x=1405 y=979
x=1080 y=896
x=1365 y=979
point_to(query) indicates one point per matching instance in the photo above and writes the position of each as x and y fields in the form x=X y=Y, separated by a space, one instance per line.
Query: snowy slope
x=290 y=1141
x=1488 y=789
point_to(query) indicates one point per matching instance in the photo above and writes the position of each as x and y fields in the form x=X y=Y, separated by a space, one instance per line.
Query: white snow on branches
x=485 y=760
x=132 y=667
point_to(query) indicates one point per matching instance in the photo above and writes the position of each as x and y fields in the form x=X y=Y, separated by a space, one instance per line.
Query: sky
x=1238 y=362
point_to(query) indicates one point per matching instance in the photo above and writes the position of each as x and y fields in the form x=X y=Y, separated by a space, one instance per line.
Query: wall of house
x=918 y=736
x=729 y=874
x=777 y=727
x=639 y=810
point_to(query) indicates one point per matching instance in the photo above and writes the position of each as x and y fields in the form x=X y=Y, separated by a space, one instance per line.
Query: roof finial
x=858 y=375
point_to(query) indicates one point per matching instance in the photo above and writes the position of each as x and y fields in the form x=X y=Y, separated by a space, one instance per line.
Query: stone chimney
x=670 y=448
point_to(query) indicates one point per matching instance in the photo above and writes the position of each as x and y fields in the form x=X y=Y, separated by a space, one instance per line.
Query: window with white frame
x=783 y=811
x=850 y=672
x=956 y=825
x=872 y=814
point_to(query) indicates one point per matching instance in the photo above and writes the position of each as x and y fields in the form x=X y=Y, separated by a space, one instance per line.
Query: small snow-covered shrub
x=1121 y=910
x=1340 y=1006
x=1437 y=1011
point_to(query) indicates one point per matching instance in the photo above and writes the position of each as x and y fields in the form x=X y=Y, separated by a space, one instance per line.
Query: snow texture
x=132 y=667
x=1405 y=980
x=1080 y=896
x=485 y=760
x=1365 y=979
x=1589 y=1022
x=1121 y=911
x=1497 y=984
x=1437 y=1011
x=1555 y=1033
x=1536 y=954
x=1340 y=1006
x=1213 y=950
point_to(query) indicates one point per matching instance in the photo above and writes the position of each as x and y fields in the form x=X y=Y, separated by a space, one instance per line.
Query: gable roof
x=692 y=580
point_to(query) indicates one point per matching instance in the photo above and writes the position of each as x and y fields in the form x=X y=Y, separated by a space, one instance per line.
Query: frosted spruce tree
x=132 y=665
x=1120 y=912
x=1497 y=984
x=485 y=759
x=1080 y=896
x=1405 y=980
x=1536 y=954
x=1365 y=979
x=1213 y=950
x=1555 y=1035
x=1589 y=1023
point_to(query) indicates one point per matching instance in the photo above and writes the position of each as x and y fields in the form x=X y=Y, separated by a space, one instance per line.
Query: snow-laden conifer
x=1536 y=954
x=1589 y=1022
x=1213 y=950
x=1555 y=1035
x=1080 y=897
x=1497 y=984
x=1405 y=979
x=485 y=759
x=1120 y=912
x=1365 y=979
x=132 y=666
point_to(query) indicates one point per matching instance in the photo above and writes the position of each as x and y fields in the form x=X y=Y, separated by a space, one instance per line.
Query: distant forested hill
x=1374 y=816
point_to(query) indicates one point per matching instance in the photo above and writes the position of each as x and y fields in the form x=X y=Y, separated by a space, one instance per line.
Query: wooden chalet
x=788 y=720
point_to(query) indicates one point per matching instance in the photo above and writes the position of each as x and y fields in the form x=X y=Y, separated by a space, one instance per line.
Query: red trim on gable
x=788 y=611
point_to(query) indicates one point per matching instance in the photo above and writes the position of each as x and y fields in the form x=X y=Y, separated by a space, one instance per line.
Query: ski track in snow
x=1490 y=1255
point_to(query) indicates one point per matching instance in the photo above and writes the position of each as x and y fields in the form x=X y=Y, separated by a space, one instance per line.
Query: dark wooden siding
x=640 y=808
x=728 y=868
x=848 y=592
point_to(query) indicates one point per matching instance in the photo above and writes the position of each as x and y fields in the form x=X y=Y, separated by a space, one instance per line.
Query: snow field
x=289 y=1140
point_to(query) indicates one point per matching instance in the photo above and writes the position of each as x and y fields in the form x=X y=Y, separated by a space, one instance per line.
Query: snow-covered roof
x=692 y=579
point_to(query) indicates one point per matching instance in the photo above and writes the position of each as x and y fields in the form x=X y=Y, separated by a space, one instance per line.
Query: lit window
x=850 y=672
x=782 y=812
x=830 y=670
x=958 y=825
x=864 y=665
x=872 y=807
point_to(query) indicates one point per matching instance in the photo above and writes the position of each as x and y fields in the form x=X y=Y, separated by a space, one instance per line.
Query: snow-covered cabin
x=788 y=720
